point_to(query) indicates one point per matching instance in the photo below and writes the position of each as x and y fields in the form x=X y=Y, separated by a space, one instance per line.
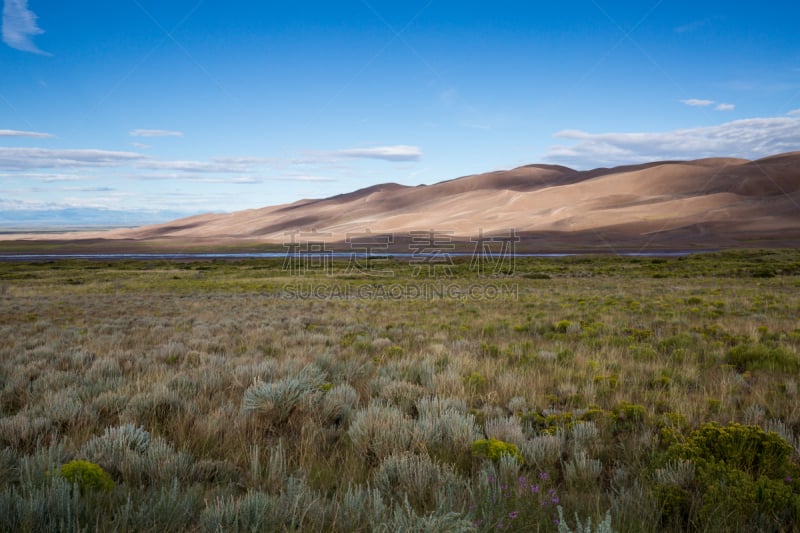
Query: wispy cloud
x=313 y=179
x=19 y=27
x=141 y=146
x=195 y=166
x=194 y=178
x=33 y=134
x=40 y=158
x=22 y=159
x=475 y=126
x=155 y=133
x=43 y=177
x=695 y=25
x=72 y=189
x=794 y=112
x=749 y=138
x=696 y=102
x=387 y=153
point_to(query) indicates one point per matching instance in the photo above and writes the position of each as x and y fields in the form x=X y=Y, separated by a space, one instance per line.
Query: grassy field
x=641 y=394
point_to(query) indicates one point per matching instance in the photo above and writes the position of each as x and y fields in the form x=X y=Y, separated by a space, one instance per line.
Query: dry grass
x=264 y=410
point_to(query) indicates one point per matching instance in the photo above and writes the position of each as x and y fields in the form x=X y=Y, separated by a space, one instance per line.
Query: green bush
x=475 y=380
x=562 y=326
x=762 y=357
x=746 y=448
x=88 y=476
x=629 y=416
x=494 y=449
x=745 y=477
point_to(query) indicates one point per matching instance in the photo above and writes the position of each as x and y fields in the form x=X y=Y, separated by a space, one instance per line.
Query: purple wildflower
x=534 y=489
x=543 y=475
x=512 y=515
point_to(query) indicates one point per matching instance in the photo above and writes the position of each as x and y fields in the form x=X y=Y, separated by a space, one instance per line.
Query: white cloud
x=141 y=146
x=696 y=102
x=387 y=153
x=155 y=133
x=33 y=158
x=795 y=112
x=17 y=133
x=748 y=138
x=725 y=107
x=19 y=27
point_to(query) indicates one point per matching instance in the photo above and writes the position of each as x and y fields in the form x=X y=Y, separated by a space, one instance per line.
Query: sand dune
x=708 y=202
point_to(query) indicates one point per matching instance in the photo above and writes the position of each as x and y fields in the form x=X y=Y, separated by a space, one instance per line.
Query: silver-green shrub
x=506 y=429
x=277 y=400
x=543 y=450
x=580 y=527
x=446 y=426
x=252 y=513
x=129 y=453
x=419 y=479
x=582 y=468
x=338 y=405
x=381 y=430
x=167 y=508
x=402 y=394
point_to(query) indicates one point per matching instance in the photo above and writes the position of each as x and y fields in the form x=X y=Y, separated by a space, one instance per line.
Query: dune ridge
x=681 y=203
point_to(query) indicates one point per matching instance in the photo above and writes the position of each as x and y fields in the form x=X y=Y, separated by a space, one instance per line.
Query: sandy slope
x=708 y=201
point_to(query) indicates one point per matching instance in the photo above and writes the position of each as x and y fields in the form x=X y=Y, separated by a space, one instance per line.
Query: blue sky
x=205 y=105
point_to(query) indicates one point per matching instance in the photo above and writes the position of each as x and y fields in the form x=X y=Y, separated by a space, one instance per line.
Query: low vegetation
x=575 y=394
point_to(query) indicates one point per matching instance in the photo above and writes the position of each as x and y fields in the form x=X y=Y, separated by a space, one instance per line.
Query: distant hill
x=706 y=203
